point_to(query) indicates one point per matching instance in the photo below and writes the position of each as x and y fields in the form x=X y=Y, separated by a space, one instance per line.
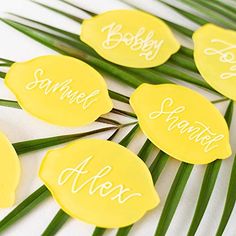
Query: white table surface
x=19 y=126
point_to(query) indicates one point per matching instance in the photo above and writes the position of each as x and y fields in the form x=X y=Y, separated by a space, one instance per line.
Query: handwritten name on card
x=168 y=116
x=60 y=90
x=93 y=179
x=215 y=57
x=130 y=38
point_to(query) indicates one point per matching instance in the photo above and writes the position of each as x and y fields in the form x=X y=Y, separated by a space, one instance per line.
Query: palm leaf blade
x=9 y=103
x=219 y=9
x=210 y=13
x=173 y=198
x=60 y=218
x=230 y=201
x=23 y=208
x=37 y=144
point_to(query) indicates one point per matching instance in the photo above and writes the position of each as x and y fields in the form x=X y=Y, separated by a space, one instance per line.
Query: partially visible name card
x=130 y=38
x=60 y=90
x=215 y=57
x=182 y=123
x=9 y=172
x=99 y=182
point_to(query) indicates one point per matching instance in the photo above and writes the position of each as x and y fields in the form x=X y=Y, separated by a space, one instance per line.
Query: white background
x=19 y=126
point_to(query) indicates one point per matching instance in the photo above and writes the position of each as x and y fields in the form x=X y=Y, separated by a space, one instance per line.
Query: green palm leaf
x=213 y=11
x=230 y=201
x=226 y=5
x=24 y=207
x=9 y=103
x=60 y=219
x=220 y=9
x=204 y=8
x=173 y=198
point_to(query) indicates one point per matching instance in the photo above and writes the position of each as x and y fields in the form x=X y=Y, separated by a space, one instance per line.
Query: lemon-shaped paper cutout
x=130 y=38
x=9 y=172
x=60 y=90
x=181 y=122
x=215 y=57
x=99 y=182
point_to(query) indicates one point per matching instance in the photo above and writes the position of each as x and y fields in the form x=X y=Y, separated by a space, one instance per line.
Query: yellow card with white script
x=181 y=122
x=130 y=38
x=60 y=90
x=99 y=182
x=215 y=57
x=9 y=172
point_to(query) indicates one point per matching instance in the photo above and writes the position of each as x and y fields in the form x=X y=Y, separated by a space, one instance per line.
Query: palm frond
x=24 y=207
x=70 y=44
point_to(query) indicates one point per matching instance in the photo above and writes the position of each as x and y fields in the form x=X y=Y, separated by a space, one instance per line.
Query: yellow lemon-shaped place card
x=9 y=172
x=99 y=182
x=60 y=90
x=130 y=38
x=215 y=57
x=181 y=122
